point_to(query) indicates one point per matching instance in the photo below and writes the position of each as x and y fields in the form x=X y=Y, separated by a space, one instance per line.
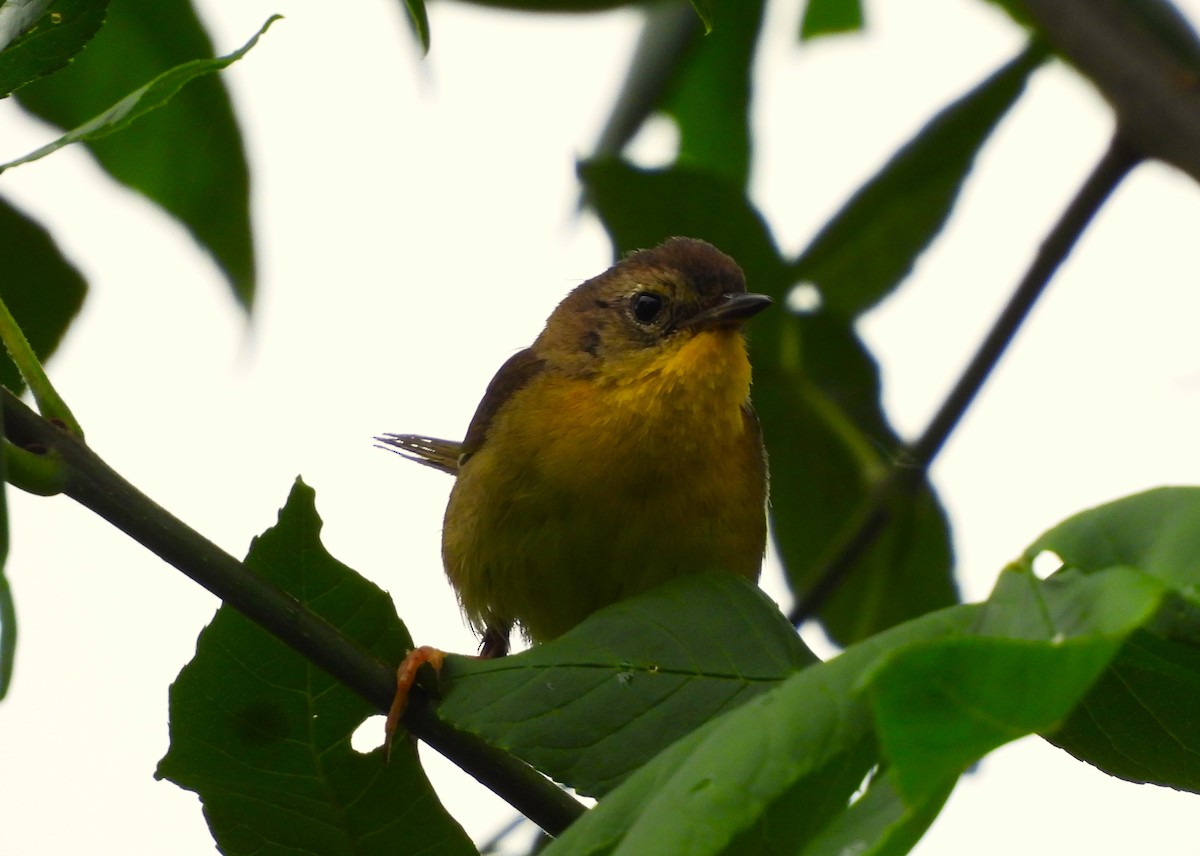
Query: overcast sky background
x=415 y=225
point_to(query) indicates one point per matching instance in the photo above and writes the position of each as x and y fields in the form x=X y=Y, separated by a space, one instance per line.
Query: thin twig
x=912 y=463
x=93 y=484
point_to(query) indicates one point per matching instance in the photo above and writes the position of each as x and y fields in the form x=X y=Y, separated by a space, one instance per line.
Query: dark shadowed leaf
x=263 y=736
x=1138 y=722
x=187 y=158
x=56 y=35
x=828 y=442
x=596 y=704
x=42 y=290
x=870 y=245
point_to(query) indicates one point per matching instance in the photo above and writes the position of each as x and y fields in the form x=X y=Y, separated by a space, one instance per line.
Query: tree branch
x=912 y=463
x=93 y=484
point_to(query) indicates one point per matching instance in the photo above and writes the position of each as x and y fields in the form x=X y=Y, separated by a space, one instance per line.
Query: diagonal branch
x=912 y=464
x=93 y=484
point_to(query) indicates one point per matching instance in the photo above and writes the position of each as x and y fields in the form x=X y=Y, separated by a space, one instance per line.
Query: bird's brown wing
x=448 y=455
x=516 y=373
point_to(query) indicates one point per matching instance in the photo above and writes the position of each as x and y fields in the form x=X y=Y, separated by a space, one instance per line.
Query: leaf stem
x=46 y=396
x=911 y=465
x=93 y=484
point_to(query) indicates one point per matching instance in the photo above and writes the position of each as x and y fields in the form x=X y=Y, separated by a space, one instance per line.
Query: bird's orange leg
x=406 y=674
x=494 y=644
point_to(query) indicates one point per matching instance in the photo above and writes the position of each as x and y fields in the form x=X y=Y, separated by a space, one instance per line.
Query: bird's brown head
x=680 y=288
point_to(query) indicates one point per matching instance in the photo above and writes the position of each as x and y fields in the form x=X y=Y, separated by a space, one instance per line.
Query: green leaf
x=1038 y=648
x=46 y=40
x=263 y=736
x=42 y=290
x=590 y=707
x=829 y=17
x=1138 y=722
x=187 y=158
x=1157 y=532
x=141 y=101
x=419 y=19
x=934 y=694
x=871 y=244
x=709 y=95
x=770 y=776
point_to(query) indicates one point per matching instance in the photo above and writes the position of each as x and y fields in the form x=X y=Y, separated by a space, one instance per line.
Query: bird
x=618 y=451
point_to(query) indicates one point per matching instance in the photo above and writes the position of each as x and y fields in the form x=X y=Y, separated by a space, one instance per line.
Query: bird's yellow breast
x=590 y=489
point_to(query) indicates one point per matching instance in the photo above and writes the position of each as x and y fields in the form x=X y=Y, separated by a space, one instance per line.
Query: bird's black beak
x=731 y=310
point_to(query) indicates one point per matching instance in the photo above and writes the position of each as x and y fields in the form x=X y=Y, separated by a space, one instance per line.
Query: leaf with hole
x=263 y=736
x=1139 y=721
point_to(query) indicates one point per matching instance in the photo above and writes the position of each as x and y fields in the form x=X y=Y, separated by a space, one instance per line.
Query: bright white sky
x=415 y=225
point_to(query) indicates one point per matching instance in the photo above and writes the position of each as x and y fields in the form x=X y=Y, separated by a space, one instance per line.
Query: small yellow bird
x=617 y=452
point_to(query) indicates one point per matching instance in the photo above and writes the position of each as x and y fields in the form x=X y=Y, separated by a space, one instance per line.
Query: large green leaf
x=43 y=37
x=42 y=290
x=1039 y=647
x=1157 y=532
x=871 y=244
x=1139 y=720
x=592 y=706
x=934 y=694
x=263 y=736
x=188 y=158
x=767 y=777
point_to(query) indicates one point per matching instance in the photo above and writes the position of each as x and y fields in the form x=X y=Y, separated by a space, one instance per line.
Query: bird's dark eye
x=646 y=307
